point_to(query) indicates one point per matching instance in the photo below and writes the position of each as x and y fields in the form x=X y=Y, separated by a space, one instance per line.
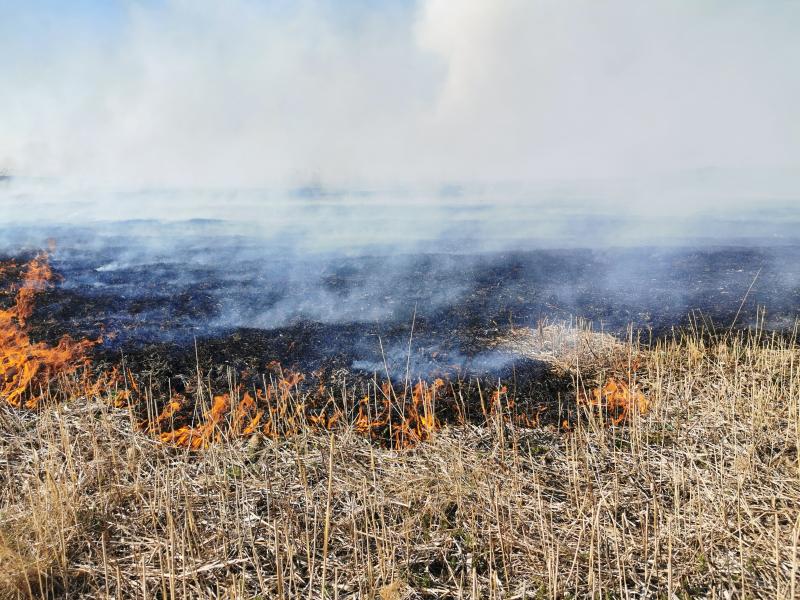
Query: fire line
x=32 y=373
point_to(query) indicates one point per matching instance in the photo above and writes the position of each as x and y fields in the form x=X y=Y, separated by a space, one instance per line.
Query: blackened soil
x=232 y=315
x=422 y=315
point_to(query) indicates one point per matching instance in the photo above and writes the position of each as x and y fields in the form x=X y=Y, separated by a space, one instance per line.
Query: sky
x=351 y=93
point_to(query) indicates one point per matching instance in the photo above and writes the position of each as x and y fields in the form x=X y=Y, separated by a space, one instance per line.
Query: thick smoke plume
x=250 y=93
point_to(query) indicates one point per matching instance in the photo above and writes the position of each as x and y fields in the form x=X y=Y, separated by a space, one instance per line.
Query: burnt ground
x=359 y=312
x=237 y=309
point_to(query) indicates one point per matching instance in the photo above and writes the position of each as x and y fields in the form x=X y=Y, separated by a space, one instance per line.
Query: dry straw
x=697 y=497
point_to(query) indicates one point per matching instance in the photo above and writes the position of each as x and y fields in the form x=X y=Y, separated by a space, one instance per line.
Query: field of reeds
x=695 y=493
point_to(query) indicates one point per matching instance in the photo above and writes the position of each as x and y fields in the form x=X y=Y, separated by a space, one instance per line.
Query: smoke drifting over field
x=353 y=94
x=329 y=172
x=552 y=246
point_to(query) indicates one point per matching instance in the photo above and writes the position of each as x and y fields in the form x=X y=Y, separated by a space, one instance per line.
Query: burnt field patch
x=171 y=329
x=229 y=303
x=361 y=313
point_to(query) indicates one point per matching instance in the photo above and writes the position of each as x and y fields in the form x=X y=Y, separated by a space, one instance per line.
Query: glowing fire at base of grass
x=400 y=418
x=616 y=399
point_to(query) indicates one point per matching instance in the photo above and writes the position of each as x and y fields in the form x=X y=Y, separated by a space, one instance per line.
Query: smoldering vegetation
x=428 y=305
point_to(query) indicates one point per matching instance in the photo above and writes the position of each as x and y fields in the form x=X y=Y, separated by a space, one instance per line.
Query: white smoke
x=245 y=93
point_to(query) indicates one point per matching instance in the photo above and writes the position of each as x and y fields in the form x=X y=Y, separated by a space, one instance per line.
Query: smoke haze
x=362 y=95
x=341 y=167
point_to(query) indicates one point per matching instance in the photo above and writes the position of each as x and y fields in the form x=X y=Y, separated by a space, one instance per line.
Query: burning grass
x=27 y=368
x=692 y=489
x=699 y=496
x=397 y=414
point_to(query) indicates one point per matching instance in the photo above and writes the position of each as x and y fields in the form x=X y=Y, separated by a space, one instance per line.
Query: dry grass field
x=695 y=494
x=399 y=299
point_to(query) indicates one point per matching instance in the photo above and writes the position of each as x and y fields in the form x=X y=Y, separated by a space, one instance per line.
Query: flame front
x=399 y=416
x=28 y=368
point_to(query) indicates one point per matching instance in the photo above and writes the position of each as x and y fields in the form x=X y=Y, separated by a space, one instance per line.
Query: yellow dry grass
x=697 y=497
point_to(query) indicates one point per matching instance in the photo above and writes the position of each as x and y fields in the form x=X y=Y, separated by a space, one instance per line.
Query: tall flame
x=28 y=368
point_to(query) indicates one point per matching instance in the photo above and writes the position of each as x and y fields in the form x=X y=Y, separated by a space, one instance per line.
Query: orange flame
x=37 y=278
x=505 y=406
x=230 y=418
x=28 y=368
x=618 y=400
x=202 y=435
x=399 y=418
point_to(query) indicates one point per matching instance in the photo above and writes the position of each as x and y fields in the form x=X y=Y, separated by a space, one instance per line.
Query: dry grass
x=698 y=497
